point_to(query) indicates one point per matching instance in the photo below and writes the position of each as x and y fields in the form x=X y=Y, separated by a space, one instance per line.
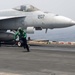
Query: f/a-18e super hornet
x=30 y=18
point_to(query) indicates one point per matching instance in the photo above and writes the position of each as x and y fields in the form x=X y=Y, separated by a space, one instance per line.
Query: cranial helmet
x=19 y=28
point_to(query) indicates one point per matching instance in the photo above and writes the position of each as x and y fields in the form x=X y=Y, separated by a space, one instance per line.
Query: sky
x=61 y=7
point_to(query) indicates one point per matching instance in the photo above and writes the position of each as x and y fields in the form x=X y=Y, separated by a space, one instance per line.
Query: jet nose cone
x=73 y=22
x=65 y=21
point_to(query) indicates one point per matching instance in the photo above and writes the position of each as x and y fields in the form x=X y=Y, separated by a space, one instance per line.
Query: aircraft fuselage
x=12 y=19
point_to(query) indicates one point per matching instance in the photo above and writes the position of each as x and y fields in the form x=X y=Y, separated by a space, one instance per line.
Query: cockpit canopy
x=26 y=8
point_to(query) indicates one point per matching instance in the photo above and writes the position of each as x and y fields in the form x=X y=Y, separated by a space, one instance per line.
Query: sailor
x=22 y=36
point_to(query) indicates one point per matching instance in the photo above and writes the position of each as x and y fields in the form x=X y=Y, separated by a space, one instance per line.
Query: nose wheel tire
x=19 y=44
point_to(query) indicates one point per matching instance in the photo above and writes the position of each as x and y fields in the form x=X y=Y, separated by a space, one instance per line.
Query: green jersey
x=21 y=34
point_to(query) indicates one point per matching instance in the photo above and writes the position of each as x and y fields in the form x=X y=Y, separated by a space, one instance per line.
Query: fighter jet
x=30 y=18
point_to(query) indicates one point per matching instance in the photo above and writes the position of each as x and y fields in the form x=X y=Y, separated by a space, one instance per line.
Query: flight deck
x=41 y=60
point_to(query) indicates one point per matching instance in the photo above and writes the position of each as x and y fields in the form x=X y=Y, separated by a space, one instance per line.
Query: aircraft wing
x=9 y=22
x=10 y=17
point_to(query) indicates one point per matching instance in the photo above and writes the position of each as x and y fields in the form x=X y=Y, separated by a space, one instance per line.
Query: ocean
x=61 y=34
